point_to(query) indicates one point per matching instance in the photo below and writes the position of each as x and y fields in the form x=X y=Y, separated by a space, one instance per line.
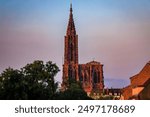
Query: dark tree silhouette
x=74 y=91
x=34 y=81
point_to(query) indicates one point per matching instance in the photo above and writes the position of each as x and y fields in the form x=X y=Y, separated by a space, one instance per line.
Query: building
x=139 y=87
x=90 y=74
x=113 y=92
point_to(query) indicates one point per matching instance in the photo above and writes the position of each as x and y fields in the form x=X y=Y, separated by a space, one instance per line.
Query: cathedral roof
x=94 y=62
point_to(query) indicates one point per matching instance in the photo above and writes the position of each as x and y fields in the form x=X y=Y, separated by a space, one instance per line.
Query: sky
x=113 y=32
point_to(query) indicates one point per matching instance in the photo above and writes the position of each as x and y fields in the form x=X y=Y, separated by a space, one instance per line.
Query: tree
x=34 y=81
x=74 y=91
x=11 y=86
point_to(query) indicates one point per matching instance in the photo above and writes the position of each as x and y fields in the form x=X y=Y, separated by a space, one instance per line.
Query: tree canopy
x=34 y=81
x=74 y=91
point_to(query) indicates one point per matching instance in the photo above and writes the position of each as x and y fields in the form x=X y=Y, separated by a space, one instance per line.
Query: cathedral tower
x=90 y=75
x=70 y=66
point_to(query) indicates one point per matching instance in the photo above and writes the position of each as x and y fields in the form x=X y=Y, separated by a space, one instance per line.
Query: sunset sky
x=113 y=32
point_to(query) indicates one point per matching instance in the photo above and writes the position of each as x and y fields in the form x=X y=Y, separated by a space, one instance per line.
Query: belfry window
x=71 y=49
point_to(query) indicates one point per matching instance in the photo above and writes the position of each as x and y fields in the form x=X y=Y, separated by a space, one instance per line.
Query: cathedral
x=90 y=74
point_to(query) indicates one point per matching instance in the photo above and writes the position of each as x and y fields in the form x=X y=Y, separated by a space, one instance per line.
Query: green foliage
x=11 y=85
x=74 y=92
x=106 y=97
x=34 y=81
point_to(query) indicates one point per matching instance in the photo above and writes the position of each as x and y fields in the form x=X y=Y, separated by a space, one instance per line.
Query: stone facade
x=91 y=77
x=70 y=67
x=126 y=93
x=91 y=74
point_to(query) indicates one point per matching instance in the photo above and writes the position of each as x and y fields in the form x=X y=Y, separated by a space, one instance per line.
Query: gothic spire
x=71 y=7
x=71 y=27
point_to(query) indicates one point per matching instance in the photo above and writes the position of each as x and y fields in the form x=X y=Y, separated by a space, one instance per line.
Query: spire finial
x=71 y=2
x=70 y=5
